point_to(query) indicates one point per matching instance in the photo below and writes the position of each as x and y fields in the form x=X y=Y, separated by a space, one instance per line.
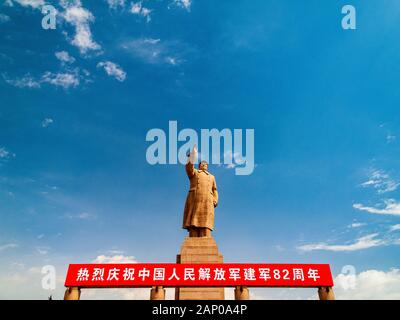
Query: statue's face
x=203 y=166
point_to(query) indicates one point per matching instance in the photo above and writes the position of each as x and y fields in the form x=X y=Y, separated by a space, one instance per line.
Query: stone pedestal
x=199 y=250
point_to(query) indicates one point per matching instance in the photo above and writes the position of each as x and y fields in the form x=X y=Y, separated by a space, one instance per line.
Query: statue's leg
x=194 y=232
x=205 y=232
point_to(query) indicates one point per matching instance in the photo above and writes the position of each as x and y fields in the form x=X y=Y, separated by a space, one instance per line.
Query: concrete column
x=157 y=293
x=326 y=293
x=72 y=293
x=242 y=293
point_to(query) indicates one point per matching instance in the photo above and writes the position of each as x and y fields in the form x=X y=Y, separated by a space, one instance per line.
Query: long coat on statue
x=201 y=199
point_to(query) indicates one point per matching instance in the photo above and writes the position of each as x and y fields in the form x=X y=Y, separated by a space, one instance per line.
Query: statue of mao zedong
x=198 y=217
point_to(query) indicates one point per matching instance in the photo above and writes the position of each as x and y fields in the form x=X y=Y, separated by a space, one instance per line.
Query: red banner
x=198 y=275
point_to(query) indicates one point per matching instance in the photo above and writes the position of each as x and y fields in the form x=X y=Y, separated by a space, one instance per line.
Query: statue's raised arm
x=190 y=170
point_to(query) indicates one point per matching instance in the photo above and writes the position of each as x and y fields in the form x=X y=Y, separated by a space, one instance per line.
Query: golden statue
x=201 y=200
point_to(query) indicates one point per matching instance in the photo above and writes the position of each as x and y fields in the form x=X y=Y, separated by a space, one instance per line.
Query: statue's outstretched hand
x=192 y=155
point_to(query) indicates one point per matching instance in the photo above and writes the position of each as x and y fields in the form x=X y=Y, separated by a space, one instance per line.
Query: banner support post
x=326 y=293
x=72 y=293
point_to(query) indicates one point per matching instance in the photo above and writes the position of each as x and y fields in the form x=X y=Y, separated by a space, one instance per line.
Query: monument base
x=199 y=250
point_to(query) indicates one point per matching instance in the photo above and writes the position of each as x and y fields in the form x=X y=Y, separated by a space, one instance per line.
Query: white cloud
x=27 y=3
x=381 y=181
x=114 y=4
x=356 y=225
x=137 y=8
x=4 y=18
x=391 y=207
x=25 y=82
x=368 y=285
x=8 y=246
x=80 y=18
x=113 y=70
x=82 y=216
x=395 y=227
x=4 y=153
x=65 y=80
x=390 y=138
x=114 y=259
x=47 y=122
x=155 y=51
x=42 y=250
x=234 y=157
x=64 y=56
x=86 y=215
x=171 y=60
x=365 y=242
x=183 y=4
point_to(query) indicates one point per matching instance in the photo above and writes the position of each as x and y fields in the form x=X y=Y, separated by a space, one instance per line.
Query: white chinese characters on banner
x=189 y=274
x=219 y=274
x=83 y=274
x=234 y=273
x=159 y=274
x=113 y=274
x=129 y=274
x=98 y=274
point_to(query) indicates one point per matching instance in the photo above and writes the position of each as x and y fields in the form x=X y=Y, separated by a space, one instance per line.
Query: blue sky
x=77 y=102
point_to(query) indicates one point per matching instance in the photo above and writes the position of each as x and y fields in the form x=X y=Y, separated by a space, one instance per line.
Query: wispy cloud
x=113 y=70
x=138 y=9
x=8 y=246
x=186 y=4
x=26 y=81
x=365 y=242
x=233 y=157
x=155 y=51
x=357 y=225
x=5 y=154
x=395 y=227
x=390 y=207
x=115 y=259
x=36 y=4
x=82 y=216
x=381 y=181
x=4 y=18
x=47 y=122
x=64 y=80
x=115 y=4
x=42 y=250
x=64 y=57
x=390 y=138
x=80 y=18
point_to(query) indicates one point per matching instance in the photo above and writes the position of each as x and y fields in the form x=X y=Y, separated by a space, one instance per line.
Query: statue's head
x=203 y=165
